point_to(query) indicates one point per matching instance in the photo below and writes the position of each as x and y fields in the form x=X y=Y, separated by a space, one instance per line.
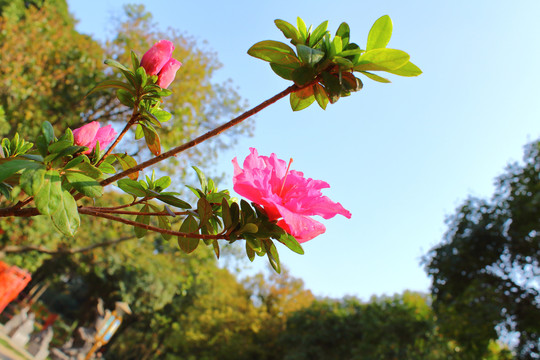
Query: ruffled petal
x=303 y=228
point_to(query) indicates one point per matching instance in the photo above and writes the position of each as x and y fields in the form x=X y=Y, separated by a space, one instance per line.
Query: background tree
x=485 y=272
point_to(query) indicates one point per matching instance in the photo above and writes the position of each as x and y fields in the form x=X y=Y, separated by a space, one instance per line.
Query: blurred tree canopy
x=486 y=271
x=47 y=67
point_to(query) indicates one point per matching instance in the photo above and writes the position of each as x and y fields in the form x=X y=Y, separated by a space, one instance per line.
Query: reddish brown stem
x=130 y=123
x=201 y=138
x=150 y=227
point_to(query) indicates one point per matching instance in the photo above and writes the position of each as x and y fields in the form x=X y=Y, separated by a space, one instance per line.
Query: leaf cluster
x=322 y=67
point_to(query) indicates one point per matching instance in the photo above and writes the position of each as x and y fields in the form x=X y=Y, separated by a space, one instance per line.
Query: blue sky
x=400 y=156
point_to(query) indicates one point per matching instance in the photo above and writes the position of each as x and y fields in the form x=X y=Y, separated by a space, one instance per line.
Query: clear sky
x=400 y=156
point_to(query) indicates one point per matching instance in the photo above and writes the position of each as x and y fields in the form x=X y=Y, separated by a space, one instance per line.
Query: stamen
x=285 y=177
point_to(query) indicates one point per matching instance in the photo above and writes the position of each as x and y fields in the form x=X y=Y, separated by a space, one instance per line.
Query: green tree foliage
x=399 y=327
x=485 y=272
x=197 y=103
x=46 y=68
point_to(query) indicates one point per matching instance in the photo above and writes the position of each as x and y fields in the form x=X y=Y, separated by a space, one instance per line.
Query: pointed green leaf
x=171 y=200
x=288 y=30
x=375 y=77
x=250 y=253
x=202 y=178
x=127 y=162
x=132 y=187
x=273 y=256
x=108 y=84
x=32 y=179
x=115 y=64
x=134 y=61
x=380 y=33
x=273 y=51
x=388 y=59
x=66 y=216
x=125 y=97
x=344 y=32
x=409 y=69
x=285 y=71
x=291 y=242
x=309 y=55
x=320 y=96
x=318 y=34
x=84 y=184
x=204 y=209
x=11 y=167
x=143 y=219
x=189 y=226
x=302 y=99
x=164 y=223
x=49 y=196
x=302 y=29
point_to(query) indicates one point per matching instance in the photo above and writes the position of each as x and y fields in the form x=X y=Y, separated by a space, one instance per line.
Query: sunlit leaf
x=380 y=33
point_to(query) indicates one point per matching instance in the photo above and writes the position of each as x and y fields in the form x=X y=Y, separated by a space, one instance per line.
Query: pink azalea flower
x=285 y=195
x=159 y=61
x=88 y=135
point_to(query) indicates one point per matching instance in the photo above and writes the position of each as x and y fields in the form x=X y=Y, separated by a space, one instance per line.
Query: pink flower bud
x=88 y=135
x=158 y=55
x=168 y=72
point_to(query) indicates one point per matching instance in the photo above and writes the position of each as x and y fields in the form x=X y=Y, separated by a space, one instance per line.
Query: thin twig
x=126 y=212
x=150 y=227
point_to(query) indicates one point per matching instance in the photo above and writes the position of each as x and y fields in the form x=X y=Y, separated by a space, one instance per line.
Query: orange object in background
x=12 y=281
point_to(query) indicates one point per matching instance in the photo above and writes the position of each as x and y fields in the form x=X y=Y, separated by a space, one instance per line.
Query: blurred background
x=423 y=165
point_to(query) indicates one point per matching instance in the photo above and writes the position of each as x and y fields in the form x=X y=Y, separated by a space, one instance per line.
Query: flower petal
x=168 y=72
x=84 y=135
x=303 y=228
x=157 y=56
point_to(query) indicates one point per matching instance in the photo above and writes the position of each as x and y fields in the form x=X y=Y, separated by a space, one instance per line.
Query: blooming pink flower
x=88 y=135
x=285 y=195
x=158 y=61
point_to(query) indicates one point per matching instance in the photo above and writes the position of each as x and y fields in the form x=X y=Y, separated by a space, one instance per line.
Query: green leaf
x=254 y=244
x=134 y=61
x=388 y=59
x=215 y=245
x=249 y=228
x=409 y=69
x=152 y=140
x=42 y=144
x=84 y=184
x=302 y=29
x=132 y=187
x=115 y=64
x=125 y=97
x=32 y=179
x=204 y=209
x=143 y=219
x=108 y=84
x=309 y=55
x=164 y=223
x=49 y=196
x=202 y=178
x=74 y=162
x=189 y=226
x=375 y=77
x=291 y=242
x=171 y=200
x=107 y=168
x=344 y=32
x=320 y=96
x=332 y=87
x=11 y=167
x=5 y=190
x=127 y=162
x=68 y=136
x=139 y=132
x=47 y=131
x=226 y=213
x=66 y=216
x=89 y=170
x=247 y=211
x=288 y=30
x=161 y=115
x=142 y=78
x=336 y=46
x=272 y=254
x=273 y=51
x=299 y=101
x=380 y=33
x=250 y=253
x=303 y=75
x=285 y=71
x=59 y=146
x=163 y=182
x=318 y=34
